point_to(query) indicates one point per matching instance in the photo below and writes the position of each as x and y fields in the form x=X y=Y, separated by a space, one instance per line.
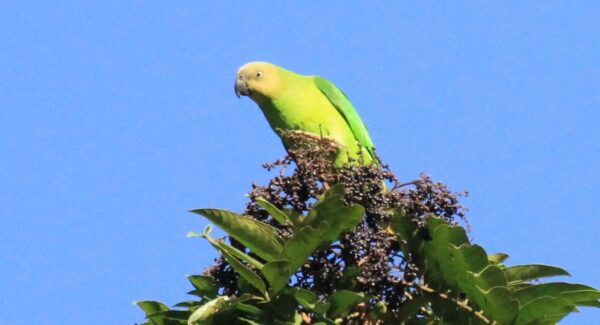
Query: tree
x=320 y=245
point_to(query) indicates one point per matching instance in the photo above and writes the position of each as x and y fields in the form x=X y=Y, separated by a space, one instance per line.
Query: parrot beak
x=241 y=87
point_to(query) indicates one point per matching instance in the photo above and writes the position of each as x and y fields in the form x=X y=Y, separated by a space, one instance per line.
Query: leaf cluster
x=320 y=245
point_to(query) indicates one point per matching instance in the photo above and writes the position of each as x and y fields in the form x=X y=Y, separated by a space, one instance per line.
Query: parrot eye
x=259 y=75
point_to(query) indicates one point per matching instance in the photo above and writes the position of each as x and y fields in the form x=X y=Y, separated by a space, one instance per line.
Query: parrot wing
x=339 y=100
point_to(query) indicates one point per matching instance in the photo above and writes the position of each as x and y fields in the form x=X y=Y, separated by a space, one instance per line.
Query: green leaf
x=310 y=300
x=251 y=315
x=190 y=304
x=454 y=235
x=497 y=258
x=249 y=309
x=514 y=286
x=152 y=307
x=282 y=309
x=204 y=315
x=221 y=246
x=498 y=304
x=261 y=238
x=336 y=193
x=406 y=230
x=159 y=314
x=248 y=321
x=304 y=242
x=532 y=271
x=409 y=310
x=590 y=303
x=294 y=215
x=244 y=286
x=277 y=214
x=338 y=215
x=543 y=310
x=204 y=286
x=342 y=301
x=327 y=220
x=550 y=302
x=177 y=316
x=554 y=316
x=348 y=279
x=335 y=190
x=569 y=293
x=246 y=273
x=277 y=274
x=452 y=263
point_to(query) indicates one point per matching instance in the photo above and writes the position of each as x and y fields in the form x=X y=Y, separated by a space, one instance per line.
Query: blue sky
x=116 y=118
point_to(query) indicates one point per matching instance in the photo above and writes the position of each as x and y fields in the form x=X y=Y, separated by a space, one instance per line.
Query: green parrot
x=310 y=104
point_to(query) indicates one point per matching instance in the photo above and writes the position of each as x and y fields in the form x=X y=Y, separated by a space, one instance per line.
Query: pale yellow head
x=259 y=80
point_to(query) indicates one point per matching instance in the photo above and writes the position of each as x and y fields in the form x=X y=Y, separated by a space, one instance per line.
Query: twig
x=463 y=305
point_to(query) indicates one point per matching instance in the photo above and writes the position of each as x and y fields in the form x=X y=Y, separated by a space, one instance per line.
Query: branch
x=463 y=305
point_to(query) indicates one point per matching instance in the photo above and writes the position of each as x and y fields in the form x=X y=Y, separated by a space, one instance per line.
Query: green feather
x=340 y=101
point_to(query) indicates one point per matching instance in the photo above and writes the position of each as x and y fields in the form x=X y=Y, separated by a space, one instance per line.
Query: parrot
x=309 y=104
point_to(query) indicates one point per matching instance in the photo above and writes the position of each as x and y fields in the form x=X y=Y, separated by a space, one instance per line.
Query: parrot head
x=258 y=80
